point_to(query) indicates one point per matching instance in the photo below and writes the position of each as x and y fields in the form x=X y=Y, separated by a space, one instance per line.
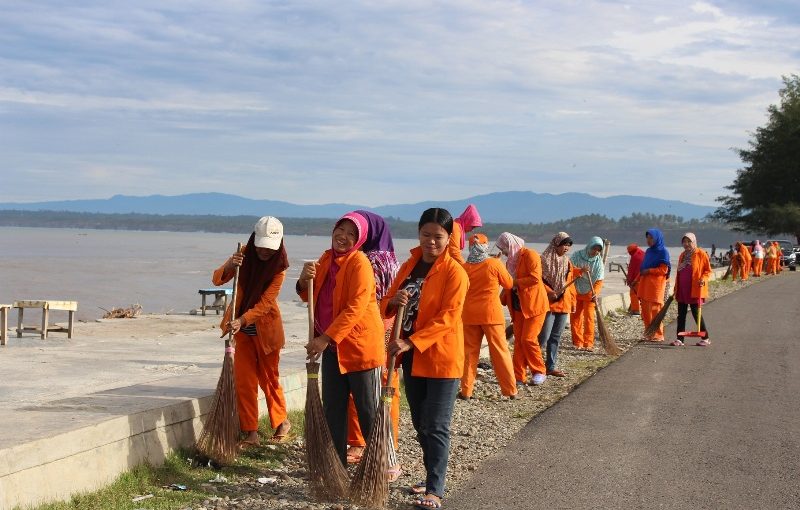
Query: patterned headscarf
x=687 y=255
x=478 y=249
x=582 y=258
x=555 y=267
x=512 y=245
x=379 y=249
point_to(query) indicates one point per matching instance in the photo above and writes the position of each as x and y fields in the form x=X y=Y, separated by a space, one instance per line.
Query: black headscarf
x=255 y=274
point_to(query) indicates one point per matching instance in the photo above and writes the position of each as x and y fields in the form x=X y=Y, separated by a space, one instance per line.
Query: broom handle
x=310 y=309
x=233 y=299
x=568 y=285
x=398 y=324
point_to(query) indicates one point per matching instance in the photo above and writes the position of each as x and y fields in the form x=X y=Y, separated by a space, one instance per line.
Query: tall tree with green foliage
x=766 y=192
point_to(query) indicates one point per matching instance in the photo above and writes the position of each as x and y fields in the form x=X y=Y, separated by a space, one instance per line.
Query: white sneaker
x=539 y=379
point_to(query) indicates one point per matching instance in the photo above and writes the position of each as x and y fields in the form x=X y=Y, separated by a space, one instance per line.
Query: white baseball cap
x=269 y=233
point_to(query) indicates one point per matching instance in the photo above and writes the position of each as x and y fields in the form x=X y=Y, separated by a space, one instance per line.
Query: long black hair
x=441 y=217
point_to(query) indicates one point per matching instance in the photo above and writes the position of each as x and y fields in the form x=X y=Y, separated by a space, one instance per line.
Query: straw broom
x=326 y=473
x=659 y=318
x=728 y=271
x=609 y=344
x=219 y=440
x=370 y=486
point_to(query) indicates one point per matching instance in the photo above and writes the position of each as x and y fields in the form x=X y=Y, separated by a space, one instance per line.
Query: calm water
x=162 y=271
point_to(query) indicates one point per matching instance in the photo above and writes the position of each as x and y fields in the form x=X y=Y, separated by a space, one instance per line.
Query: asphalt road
x=670 y=427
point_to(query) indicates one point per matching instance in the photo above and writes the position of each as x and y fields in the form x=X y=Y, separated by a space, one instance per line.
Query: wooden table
x=46 y=306
x=4 y=309
x=220 y=299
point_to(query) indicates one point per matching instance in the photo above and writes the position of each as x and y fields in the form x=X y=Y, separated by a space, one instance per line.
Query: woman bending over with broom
x=588 y=288
x=691 y=286
x=258 y=328
x=432 y=286
x=652 y=281
x=348 y=328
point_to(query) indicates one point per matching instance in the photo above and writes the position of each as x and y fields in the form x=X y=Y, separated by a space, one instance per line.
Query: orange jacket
x=357 y=328
x=454 y=243
x=265 y=314
x=652 y=284
x=701 y=269
x=482 y=305
x=532 y=293
x=439 y=334
x=567 y=303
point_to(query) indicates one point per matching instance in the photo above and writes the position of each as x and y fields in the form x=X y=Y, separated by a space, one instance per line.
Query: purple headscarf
x=379 y=249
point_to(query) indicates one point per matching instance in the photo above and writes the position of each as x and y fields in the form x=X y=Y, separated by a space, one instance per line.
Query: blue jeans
x=550 y=336
x=431 y=402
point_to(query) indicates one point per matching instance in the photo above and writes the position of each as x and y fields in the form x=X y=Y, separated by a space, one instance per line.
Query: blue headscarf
x=656 y=254
x=596 y=268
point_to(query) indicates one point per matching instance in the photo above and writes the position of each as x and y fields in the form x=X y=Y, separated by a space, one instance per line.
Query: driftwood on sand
x=123 y=313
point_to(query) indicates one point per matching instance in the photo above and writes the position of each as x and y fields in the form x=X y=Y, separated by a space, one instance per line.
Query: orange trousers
x=771 y=265
x=253 y=368
x=498 y=351
x=649 y=310
x=634 y=308
x=355 y=437
x=581 y=324
x=527 y=353
x=757 y=266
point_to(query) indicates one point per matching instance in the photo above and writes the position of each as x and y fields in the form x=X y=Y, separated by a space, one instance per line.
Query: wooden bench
x=220 y=299
x=46 y=306
x=4 y=309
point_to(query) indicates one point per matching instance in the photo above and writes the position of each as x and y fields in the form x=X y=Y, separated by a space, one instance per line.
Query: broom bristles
x=609 y=345
x=728 y=272
x=327 y=475
x=658 y=319
x=219 y=440
x=370 y=487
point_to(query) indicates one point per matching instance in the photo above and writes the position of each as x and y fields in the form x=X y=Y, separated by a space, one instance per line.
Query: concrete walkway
x=668 y=427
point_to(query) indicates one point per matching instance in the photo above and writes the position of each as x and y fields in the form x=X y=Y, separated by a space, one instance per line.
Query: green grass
x=177 y=469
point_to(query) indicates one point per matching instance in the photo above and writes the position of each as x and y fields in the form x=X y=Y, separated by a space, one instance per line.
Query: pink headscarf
x=324 y=305
x=468 y=220
x=512 y=245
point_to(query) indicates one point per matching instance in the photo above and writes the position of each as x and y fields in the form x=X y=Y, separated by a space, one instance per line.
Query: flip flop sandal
x=281 y=438
x=419 y=488
x=244 y=444
x=393 y=474
x=426 y=502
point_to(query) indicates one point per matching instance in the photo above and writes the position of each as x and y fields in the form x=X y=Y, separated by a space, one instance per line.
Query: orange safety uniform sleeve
x=438 y=336
x=357 y=328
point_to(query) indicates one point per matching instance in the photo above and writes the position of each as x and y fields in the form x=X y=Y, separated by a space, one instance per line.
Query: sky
x=375 y=103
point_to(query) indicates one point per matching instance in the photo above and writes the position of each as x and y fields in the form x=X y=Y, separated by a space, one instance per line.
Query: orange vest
x=567 y=303
x=265 y=314
x=651 y=285
x=357 y=328
x=701 y=269
x=438 y=336
x=532 y=293
x=482 y=305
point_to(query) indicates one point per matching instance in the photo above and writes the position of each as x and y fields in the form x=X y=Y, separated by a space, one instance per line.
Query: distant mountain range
x=500 y=207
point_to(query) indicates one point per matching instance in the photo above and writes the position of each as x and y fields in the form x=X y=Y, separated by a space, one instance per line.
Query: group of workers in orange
x=450 y=305
x=755 y=258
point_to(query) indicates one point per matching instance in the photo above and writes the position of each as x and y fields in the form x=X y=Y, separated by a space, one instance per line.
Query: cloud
x=389 y=102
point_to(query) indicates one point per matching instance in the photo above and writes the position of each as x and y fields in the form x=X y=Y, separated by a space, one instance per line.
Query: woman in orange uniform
x=432 y=286
x=557 y=271
x=769 y=257
x=758 y=258
x=483 y=315
x=468 y=220
x=743 y=262
x=258 y=329
x=379 y=248
x=691 y=286
x=527 y=302
x=348 y=328
x=652 y=281
x=581 y=322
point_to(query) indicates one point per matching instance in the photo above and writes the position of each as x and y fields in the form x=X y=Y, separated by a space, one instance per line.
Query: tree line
x=624 y=230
